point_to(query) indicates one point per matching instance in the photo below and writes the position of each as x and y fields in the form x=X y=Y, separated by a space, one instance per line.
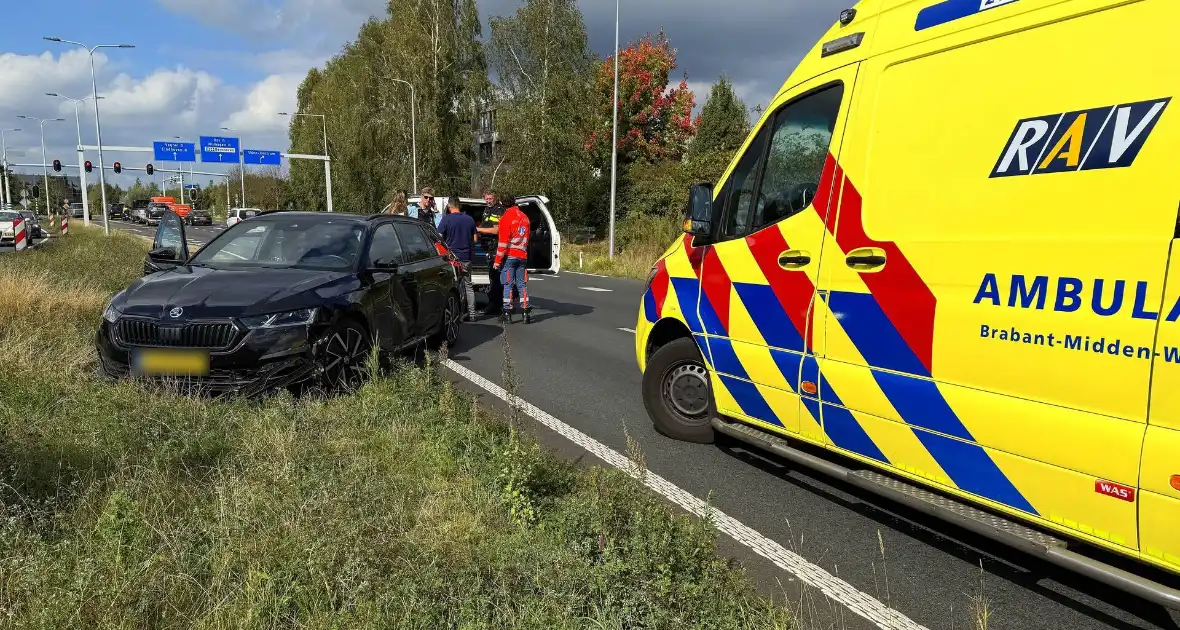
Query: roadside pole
x=7 y=189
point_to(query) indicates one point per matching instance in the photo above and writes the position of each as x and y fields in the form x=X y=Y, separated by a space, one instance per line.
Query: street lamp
x=327 y=161
x=413 y=131
x=81 y=155
x=190 y=174
x=614 y=145
x=102 y=178
x=241 y=161
x=44 y=166
x=4 y=165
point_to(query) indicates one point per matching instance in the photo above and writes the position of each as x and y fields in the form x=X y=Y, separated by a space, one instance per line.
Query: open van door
x=545 y=240
x=169 y=247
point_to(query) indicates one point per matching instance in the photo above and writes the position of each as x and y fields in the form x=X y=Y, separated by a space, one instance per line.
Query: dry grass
x=639 y=242
x=404 y=505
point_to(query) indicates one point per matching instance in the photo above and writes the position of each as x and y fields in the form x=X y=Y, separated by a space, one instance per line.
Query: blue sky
x=200 y=65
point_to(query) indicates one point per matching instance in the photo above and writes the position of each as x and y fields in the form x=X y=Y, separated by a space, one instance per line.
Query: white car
x=6 y=219
x=238 y=214
x=544 y=242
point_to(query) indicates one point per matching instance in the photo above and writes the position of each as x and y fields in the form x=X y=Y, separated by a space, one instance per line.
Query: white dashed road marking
x=833 y=587
x=599 y=289
x=632 y=331
x=581 y=273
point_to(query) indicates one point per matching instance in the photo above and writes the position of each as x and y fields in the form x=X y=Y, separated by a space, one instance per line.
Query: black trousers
x=495 y=288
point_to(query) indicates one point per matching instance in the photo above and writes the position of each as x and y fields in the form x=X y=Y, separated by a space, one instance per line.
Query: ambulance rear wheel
x=676 y=392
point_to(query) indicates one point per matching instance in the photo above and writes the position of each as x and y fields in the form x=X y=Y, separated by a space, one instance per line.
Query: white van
x=238 y=214
x=544 y=242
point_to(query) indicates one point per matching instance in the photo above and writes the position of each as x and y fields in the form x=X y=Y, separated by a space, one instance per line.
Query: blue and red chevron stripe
x=892 y=326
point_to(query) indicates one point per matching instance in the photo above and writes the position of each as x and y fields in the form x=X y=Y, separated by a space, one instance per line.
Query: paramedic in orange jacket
x=512 y=253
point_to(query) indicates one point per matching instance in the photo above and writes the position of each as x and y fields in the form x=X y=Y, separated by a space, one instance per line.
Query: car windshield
x=286 y=241
x=7 y=216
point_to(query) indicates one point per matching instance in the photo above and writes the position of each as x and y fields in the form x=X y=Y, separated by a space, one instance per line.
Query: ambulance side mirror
x=698 y=215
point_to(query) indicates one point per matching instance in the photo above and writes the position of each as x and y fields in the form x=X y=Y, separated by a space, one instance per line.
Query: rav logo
x=1116 y=490
x=1104 y=137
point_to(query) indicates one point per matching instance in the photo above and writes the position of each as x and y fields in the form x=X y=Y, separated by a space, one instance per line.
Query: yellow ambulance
x=944 y=268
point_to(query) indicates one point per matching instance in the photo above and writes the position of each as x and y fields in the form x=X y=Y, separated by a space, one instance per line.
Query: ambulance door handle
x=866 y=258
x=794 y=259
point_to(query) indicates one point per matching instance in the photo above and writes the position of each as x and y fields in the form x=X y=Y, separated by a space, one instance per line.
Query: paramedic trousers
x=514 y=273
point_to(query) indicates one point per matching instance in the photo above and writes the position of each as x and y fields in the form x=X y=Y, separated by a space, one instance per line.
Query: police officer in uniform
x=489 y=232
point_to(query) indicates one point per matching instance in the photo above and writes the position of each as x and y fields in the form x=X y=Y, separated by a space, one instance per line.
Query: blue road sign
x=218 y=149
x=269 y=158
x=191 y=187
x=175 y=151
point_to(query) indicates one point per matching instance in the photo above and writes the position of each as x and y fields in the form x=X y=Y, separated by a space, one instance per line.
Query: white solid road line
x=632 y=331
x=582 y=273
x=833 y=587
x=599 y=289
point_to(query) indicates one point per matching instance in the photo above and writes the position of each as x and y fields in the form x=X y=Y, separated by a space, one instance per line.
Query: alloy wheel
x=345 y=356
x=451 y=318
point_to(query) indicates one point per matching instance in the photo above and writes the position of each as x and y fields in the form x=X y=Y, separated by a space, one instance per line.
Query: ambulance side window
x=738 y=197
x=798 y=149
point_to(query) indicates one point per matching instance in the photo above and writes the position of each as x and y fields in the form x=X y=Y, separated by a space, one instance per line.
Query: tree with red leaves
x=655 y=121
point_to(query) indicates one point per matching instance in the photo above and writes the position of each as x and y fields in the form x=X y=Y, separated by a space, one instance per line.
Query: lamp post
x=4 y=166
x=241 y=162
x=190 y=175
x=614 y=146
x=44 y=166
x=413 y=131
x=81 y=155
x=102 y=178
x=327 y=160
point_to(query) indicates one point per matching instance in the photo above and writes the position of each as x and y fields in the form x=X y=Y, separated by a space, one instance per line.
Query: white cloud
x=177 y=94
x=24 y=79
x=136 y=109
x=259 y=113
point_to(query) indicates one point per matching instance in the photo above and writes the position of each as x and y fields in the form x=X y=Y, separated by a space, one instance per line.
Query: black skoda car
x=281 y=299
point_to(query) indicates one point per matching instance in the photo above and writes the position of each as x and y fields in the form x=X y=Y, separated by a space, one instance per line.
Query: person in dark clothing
x=458 y=232
x=489 y=231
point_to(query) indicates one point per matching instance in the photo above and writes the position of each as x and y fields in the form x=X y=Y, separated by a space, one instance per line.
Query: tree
x=433 y=45
x=655 y=121
x=723 y=123
x=544 y=66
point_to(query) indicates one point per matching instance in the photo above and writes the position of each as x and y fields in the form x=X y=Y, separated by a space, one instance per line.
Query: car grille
x=214 y=336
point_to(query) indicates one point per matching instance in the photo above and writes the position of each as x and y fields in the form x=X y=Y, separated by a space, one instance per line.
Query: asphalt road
x=577 y=363
x=197 y=235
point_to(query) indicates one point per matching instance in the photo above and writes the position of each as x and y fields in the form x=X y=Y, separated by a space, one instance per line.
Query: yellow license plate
x=172 y=363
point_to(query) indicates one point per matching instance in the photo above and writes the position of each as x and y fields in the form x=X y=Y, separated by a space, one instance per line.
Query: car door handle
x=866 y=258
x=794 y=259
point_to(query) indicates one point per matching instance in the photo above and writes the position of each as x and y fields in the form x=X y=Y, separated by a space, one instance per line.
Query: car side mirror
x=164 y=255
x=698 y=214
x=385 y=265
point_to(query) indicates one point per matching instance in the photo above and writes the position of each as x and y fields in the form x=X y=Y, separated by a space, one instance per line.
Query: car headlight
x=112 y=313
x=301 y=317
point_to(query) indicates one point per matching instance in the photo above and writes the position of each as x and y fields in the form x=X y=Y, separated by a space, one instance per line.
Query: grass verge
x=639 y=241
x=405 y=505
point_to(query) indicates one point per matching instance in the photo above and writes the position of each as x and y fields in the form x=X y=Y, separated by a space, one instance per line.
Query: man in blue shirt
x=458 y=232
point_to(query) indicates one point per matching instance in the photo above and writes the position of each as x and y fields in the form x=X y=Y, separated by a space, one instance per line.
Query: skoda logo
x=175 y=312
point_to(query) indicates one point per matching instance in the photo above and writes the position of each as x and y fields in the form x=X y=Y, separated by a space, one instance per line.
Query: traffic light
x=90 y=166
x=57 y=166
x=118 y=167
x=36 y=191
x=150 y=169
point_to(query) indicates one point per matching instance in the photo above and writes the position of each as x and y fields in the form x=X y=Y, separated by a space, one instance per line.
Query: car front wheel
x=677 y=394
x=344 y=356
